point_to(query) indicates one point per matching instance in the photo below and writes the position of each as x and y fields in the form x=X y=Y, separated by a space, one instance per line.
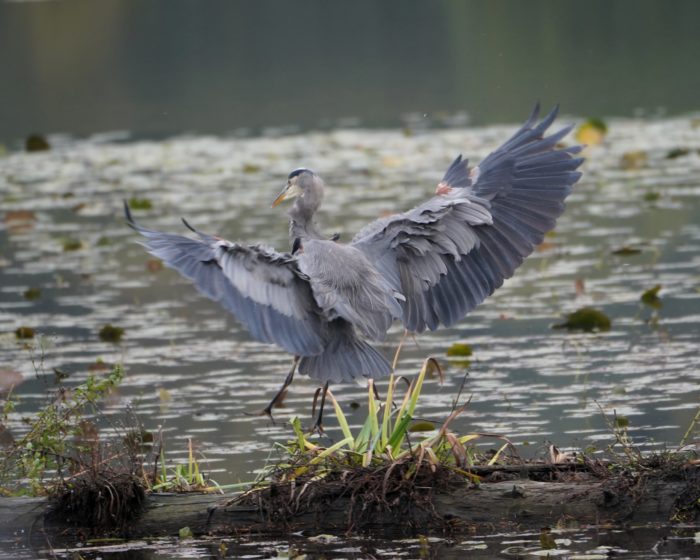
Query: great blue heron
x=426 y=267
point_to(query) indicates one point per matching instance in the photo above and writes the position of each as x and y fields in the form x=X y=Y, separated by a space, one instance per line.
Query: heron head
x=300 y=182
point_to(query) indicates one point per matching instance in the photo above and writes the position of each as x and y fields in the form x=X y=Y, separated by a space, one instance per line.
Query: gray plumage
x=426 y=267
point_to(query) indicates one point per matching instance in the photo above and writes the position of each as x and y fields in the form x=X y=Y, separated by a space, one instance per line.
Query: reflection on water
x=171 y=66
x=597 y=543
x=194 y=371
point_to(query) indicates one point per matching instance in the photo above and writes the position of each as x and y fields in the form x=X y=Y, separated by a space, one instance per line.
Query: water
x=592 y=544
x=158 y=68
x=194 y=372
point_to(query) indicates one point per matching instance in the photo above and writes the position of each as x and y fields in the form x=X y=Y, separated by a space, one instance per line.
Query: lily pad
x=32 y=293
x=591 y=132
x=651 y=297
x=24 y=333
x=459 y=349
x=36 y=143
x=586 y=319
x=71 y=244
x=634 y=160
x=140 y=203
x=677 y=152
x=110 y=333
x=626 y=251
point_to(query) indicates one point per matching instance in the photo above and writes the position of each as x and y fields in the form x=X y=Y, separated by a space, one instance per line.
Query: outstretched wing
x=448 y=254
x=263 y=289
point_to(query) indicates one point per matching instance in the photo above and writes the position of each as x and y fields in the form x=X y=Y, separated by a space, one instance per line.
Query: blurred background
x=158 y=68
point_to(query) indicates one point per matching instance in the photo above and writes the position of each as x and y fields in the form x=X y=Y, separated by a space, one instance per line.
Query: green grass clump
x=389 y=435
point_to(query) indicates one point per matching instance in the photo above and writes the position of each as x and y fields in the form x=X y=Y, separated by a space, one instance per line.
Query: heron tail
x=345 y=359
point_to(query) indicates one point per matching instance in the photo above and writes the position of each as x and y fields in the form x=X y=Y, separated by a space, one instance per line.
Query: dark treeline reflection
x=163 y=67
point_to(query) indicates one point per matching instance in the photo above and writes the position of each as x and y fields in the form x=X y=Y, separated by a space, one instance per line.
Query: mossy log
x=504 y=505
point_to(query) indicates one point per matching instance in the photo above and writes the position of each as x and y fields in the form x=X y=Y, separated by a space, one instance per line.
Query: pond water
x=194 y=372
x=592 y=544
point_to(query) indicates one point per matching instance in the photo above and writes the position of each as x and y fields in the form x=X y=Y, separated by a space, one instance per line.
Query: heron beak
x=290 y=191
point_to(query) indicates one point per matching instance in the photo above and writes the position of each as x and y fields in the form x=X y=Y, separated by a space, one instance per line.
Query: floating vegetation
x=136 y=203
x=626 y=251
x=110 y=333
x=585 y=319
x=651 y=297
x=70 y=244
x=634 y=160
x=36 y=143
x=104 y=241
x=651 y=196
x=458 y=354
x=251 y=168
x=24 y=333
x=460 y=349
x=591 y=132
x=677 y=152
x=32 y=294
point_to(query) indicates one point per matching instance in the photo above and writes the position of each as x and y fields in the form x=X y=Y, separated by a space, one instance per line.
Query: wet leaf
x=185 y=533
x=651 y=297
x=677 y=152
x=19 y=221
x=591 y=132
x=36 y=143
x=626 y=251
x=140 y=203
x=586 y=319
x=422 y=426
x=110 y=333
x=24 y=333
x=459 y=349
x=9 y=378
x=32 y=294
x=633 y=160
x=154 y=265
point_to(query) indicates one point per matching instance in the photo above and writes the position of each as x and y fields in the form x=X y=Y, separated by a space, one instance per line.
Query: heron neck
x=301 y=223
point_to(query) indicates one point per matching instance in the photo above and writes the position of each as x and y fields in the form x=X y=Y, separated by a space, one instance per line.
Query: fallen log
x=516 y=504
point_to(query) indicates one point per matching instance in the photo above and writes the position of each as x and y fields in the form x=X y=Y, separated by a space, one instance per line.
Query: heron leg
x=267 y=411
x=318 y=424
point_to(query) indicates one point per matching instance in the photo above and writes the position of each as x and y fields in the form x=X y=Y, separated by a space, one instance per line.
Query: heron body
x=325 y=301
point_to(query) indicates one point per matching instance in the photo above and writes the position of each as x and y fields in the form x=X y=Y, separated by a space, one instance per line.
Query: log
x=505 y=505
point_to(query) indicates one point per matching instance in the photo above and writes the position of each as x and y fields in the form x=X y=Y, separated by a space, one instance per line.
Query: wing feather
x=450 y=253
x=264 y=290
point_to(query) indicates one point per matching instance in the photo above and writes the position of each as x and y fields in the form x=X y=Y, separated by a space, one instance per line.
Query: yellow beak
x=280 y=197
x=290 y=191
